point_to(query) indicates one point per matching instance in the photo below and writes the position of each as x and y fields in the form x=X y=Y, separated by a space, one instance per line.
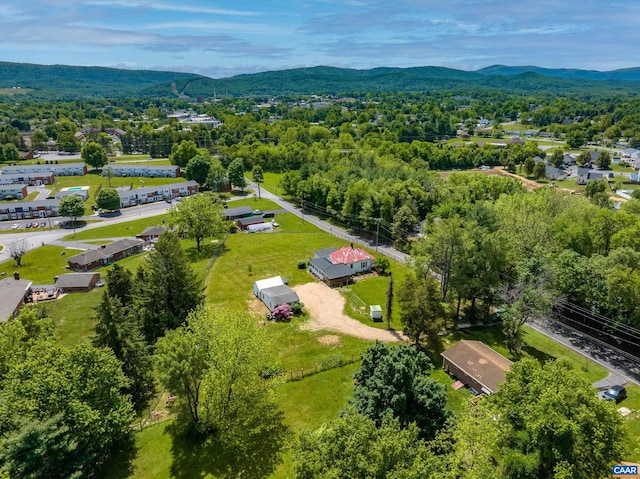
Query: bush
x=382 y=265
x=297 y=308
x=282 y=313
x=302 y=264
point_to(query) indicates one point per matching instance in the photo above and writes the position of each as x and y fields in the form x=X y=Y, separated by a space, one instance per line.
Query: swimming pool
x=74 y=188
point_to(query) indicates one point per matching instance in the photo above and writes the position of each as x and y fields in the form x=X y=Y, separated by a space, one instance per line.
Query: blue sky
x=218 y=39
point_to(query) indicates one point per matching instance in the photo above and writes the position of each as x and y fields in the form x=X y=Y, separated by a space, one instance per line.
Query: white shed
x=375 y=312
x=273 y=292
x=263 y=284
x=260 y=227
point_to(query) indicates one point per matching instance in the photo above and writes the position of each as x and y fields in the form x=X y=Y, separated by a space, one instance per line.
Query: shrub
x=282 y=313
x=382 y=265
x=302 y=264
x=297 y=308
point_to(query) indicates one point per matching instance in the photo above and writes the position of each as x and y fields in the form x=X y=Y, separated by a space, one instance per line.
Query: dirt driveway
x=326 y=305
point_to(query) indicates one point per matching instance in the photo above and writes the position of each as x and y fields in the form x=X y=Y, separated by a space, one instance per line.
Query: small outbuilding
x=274 y=291
x=151 y=234
x=476 y=365
x=375 y=312
x=77 y=282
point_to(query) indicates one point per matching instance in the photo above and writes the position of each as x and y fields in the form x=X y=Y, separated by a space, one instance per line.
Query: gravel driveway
x=326 y=306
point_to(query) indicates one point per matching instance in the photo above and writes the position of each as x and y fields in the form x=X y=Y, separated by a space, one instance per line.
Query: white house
x=336 y=266
x=15 y=191
x=152 y=194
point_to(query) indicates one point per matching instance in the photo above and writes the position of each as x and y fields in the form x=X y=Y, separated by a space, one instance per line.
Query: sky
x=220 y=39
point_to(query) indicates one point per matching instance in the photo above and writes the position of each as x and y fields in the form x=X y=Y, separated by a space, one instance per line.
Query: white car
x=15 y=226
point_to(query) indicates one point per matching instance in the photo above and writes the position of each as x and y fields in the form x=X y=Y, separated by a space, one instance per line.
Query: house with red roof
x=337 y=266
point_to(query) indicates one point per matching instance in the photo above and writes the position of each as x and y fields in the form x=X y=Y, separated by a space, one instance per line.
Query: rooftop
x=12 y=292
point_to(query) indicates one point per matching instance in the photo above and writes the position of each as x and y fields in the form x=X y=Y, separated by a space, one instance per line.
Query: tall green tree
x=422 y=312
x=197 y=169
x=354 y=446
x=198 y=217
x=94 y=154
x=524 y=302
x=552 y=419
x=394 y=381
x=539 y=171
x=389 y=304
x=404 y=221
x=108 y=199
x=235 y=173
x=72 y=207
x=440 y=248
x=120 y=284
x=604 y=160
x=258 y=177
x=64 y=408
x=167 y=289
x=182 y=152
x=118 y=329
x=215 y=364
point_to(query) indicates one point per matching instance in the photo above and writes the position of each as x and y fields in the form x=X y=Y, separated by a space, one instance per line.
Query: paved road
x=619 y=372
x=384 y=249
x=37 y=237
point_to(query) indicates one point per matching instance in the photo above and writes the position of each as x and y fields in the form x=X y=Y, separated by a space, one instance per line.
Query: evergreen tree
x=120 y=331
x=389 y=305
x=422 y=312
x=168 y=290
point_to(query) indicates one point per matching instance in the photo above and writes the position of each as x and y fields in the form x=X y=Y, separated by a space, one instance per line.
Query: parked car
x=15 y=226
x=615 y=393
x=56 y=223
x=257 y=212
x=43 y=224
x=34 y=224
x=28 y=225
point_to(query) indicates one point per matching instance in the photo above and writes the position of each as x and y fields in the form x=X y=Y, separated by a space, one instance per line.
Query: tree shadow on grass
x=207 y=250
x=541 y=356
x=253 y=451
x=120 y=466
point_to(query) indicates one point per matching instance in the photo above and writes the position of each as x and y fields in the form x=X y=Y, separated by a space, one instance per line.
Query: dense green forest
x=68 y=82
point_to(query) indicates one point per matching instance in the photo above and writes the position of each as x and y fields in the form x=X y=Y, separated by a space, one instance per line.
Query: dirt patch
x=326 y=306
x=256 y=306
x=330 y=340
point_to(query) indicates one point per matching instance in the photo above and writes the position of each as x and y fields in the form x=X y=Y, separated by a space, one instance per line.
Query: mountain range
x=61 y=81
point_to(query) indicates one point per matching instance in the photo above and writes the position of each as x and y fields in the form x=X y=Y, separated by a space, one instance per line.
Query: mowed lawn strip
x=127 y=228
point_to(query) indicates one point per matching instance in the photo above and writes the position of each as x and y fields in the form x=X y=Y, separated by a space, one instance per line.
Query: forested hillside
x=60 y=81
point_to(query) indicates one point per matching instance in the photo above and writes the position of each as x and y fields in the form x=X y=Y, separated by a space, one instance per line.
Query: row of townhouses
x=45 y=174
x=142 y=170
x=31 y=179
x=62 y=169
x=29 y=209
x=15 y=192
x=151 y=194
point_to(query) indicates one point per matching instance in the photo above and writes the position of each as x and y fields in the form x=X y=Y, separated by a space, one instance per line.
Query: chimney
x=16 y=276
x=351 y=245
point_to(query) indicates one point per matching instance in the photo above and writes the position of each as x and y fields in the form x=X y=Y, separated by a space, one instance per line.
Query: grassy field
x=41 y=264
x=249 y=257
x=128 y=228
x=373 y=290
x=272 y=183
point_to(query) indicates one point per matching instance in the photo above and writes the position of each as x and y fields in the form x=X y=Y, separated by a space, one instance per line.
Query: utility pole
x=377 y=229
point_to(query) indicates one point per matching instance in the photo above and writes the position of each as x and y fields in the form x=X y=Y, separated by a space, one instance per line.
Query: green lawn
x=128 y=228
x=41 y=264
x=374 y=291
x=73 y=316
x=249 y=257
x=272 y=183
x=255 y=203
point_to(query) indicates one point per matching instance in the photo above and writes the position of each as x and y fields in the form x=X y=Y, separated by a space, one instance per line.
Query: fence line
x=333 y=362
